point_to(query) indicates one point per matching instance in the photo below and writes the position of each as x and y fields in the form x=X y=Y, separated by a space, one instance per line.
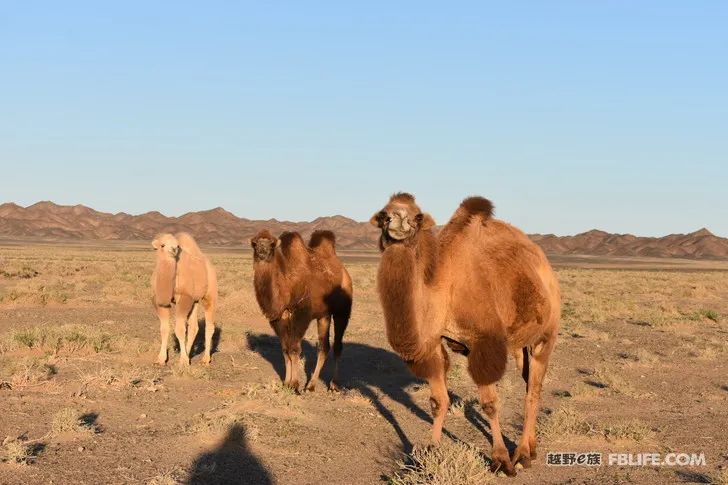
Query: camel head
x=400 y=220
x=264 y=245
x=168 y=251
x=166 y=246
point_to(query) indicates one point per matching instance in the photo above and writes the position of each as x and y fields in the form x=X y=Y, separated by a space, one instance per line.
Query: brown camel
x=481 y=286
x=295 y=284
x=185 y=277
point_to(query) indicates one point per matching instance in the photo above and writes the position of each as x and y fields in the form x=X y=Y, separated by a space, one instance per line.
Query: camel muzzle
x=399 y=228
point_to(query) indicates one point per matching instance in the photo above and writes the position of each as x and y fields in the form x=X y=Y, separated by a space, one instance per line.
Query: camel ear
x=426 y=221
x=252 y=242
x=276 y=243
x=155 y=244
x=377 y=219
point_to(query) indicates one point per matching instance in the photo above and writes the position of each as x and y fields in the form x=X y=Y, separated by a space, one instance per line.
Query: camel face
x=400 y=220
x=264 y=245
x=167 y=244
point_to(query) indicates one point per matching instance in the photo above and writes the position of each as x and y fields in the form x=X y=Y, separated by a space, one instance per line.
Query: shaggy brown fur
x=295 y=284
x=185 y=277
x=483 y=287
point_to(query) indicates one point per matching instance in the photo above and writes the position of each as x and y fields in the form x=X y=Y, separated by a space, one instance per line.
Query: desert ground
x=640 y=366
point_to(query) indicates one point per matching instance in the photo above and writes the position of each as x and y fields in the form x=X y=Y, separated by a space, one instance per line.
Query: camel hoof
x=311 y=387
x=161 y=362
x=333 y=386
x=502 y=465
x=206 y=360
x=521 y=458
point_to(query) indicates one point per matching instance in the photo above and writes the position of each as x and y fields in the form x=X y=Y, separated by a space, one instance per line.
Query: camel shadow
x=198 y=346
x=230 y=463
x=372 y=371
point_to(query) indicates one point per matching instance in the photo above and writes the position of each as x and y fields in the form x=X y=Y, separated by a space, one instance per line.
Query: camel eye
x=163 y=245
x=418 y=218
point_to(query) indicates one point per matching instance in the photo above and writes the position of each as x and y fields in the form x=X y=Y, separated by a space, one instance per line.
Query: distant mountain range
x=46 y=220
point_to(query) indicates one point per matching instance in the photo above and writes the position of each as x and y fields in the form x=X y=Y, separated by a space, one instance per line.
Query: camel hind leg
x=341 y=321
x=209 y=306
x=537 y=363
x=324 y=325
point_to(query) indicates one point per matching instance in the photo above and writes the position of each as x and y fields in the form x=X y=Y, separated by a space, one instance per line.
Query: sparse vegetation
x=565 y=421
x=629 y=332
x=447 y=464
x=634 y=430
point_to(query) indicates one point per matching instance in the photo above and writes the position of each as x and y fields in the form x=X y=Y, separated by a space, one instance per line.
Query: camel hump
x=477 y=206
x=472 y=207
x=188 y=243
x=291 y=243
x=323 y=241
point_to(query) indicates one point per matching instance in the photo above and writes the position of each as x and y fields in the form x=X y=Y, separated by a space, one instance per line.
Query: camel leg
x=193 y=326
x=209 y=329
x=294 y=356
x=324 y=324
x=341 y=321
x=279 y=327
x=434 y=369
x=163 y=313
x=491 y=406
x=537 y=365
x=182 y=313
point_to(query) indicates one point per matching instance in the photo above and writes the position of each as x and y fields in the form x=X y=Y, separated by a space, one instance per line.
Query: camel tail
x=472 y=207
x=323 y=242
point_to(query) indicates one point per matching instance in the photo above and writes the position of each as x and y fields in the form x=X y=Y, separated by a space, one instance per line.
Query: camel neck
x=401 y=283
x=266 y=288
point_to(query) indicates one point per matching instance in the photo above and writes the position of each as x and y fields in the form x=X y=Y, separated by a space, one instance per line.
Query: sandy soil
x=640 y=367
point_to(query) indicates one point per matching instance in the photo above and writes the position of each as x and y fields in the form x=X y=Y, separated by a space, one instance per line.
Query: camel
x=183 y=277
x=482 y=287
x=294 y=284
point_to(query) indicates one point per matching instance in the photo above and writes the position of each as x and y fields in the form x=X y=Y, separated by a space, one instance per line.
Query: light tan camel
x=481 y=286
x=295 y=284
x=184 y=277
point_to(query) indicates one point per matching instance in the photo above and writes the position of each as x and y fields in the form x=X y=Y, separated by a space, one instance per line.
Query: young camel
x=185 y=277
x=481 y=286
x=294 y=284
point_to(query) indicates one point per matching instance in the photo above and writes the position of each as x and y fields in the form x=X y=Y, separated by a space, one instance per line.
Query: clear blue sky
x=568 y=115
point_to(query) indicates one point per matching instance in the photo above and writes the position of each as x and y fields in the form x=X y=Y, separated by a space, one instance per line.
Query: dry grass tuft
x=458 y=407
x=169 y=477
x=634 y=430
x=610 y=379
x=721 y=478
x=565 y=421
x=63 y=338
x=68 y=420
x=27 y=372
x=19 y=451
x=447 y=464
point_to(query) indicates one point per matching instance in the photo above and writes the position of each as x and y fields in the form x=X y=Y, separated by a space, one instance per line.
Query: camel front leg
x=209 y=329
x=163 y=313
x=324 y=324
x=193 y=326
x=434 y=369
x=182 y=313
x=279 y=327
x=537 y=364
x=491 y=406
